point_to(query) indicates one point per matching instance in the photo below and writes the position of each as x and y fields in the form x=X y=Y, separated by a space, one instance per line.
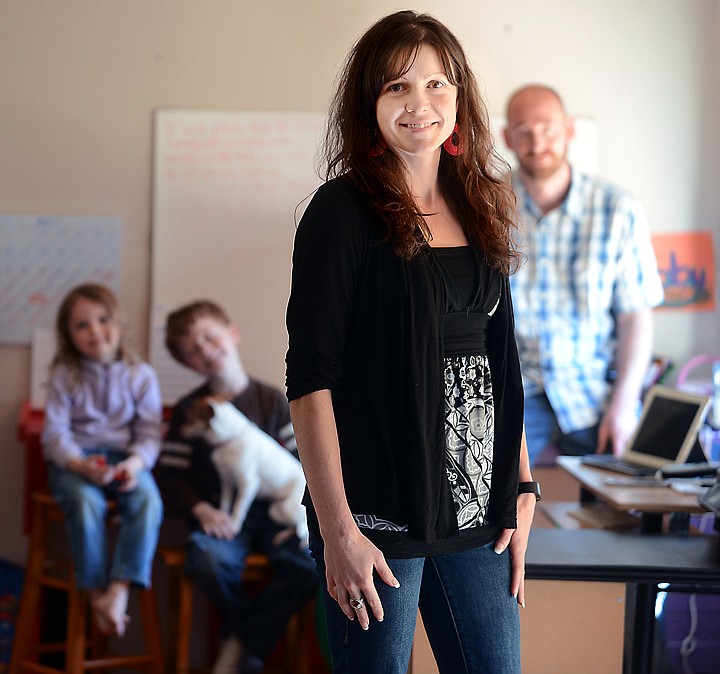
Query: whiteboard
x=228 y=188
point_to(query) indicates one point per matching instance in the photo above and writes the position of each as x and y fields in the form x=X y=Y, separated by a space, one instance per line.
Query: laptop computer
x=666 y=433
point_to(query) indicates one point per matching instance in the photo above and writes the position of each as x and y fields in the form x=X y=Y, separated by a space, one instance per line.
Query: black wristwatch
x=530 y=488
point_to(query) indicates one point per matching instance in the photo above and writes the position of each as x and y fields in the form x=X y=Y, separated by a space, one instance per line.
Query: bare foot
x=104 y=625
x=229 y=657
x=110 y=608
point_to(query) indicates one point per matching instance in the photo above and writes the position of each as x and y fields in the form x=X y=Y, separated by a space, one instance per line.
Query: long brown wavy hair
x=471 y=183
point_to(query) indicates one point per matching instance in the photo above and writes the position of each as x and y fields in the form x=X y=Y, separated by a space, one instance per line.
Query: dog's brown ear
x=201 y=409
x=208 y=411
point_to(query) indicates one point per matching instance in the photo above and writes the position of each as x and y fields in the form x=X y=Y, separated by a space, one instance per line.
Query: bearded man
x=583 y=300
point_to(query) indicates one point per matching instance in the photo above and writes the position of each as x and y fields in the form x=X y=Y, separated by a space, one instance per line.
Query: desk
x=641 y=561
x=650 y=502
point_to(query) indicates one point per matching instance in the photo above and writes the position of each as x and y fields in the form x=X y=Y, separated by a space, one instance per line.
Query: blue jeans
x=217 y=565
x=470 y=617
x=541 y=428
x=85 y=507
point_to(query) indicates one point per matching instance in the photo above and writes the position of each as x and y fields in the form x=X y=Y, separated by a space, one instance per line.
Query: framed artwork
x=686 y=261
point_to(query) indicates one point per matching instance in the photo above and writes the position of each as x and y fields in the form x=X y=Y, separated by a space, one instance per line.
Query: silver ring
x=357 y=603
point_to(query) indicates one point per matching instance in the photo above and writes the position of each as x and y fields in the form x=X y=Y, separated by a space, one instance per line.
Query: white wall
x=80 y=79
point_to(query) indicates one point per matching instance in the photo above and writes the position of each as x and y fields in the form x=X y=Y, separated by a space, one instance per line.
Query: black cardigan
x=368 y=326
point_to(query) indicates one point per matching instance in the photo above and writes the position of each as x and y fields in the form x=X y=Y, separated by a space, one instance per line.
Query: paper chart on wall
x=42 y=258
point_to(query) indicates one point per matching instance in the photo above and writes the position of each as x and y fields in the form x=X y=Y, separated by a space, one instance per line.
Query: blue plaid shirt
x=588 y=260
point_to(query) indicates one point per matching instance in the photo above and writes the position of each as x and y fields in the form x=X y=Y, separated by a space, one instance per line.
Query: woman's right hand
x=350 y=560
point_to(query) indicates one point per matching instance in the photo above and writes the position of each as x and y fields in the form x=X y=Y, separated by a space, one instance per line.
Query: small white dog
x=250 y=461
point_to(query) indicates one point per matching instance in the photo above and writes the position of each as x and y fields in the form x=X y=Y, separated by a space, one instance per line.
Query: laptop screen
x=668 y=427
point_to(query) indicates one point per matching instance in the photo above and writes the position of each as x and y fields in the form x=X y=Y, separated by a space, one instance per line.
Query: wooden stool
x=82 y=652
x=257 y=570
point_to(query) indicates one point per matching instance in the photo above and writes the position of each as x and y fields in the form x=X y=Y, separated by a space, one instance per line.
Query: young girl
x=102 y=435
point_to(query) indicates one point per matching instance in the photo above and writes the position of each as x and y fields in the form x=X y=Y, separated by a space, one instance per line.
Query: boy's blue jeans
x=217 y=565
x=470 y=617
x=85 y=507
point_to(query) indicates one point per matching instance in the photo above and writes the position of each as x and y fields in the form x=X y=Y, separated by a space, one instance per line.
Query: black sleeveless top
x=472 y=293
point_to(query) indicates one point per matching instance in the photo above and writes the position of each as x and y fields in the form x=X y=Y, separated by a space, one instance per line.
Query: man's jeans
x=541 y=428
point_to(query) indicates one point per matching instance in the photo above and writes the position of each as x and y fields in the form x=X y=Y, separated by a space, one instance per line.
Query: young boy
x=201 y=336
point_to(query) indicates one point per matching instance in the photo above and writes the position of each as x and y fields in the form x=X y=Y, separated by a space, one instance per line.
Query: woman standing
x=402 y=369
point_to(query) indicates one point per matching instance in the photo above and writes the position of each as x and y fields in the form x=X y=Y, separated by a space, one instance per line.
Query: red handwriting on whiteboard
x=38 y=299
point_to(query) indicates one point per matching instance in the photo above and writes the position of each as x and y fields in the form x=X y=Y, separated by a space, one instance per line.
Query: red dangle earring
x=452 y=143
x=379 y=147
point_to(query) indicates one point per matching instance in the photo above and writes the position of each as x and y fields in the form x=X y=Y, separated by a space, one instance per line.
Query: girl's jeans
x=85 y=507
x=470 y=617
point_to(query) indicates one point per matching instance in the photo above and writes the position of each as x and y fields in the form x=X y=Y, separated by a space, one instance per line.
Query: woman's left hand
x=516 y=540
